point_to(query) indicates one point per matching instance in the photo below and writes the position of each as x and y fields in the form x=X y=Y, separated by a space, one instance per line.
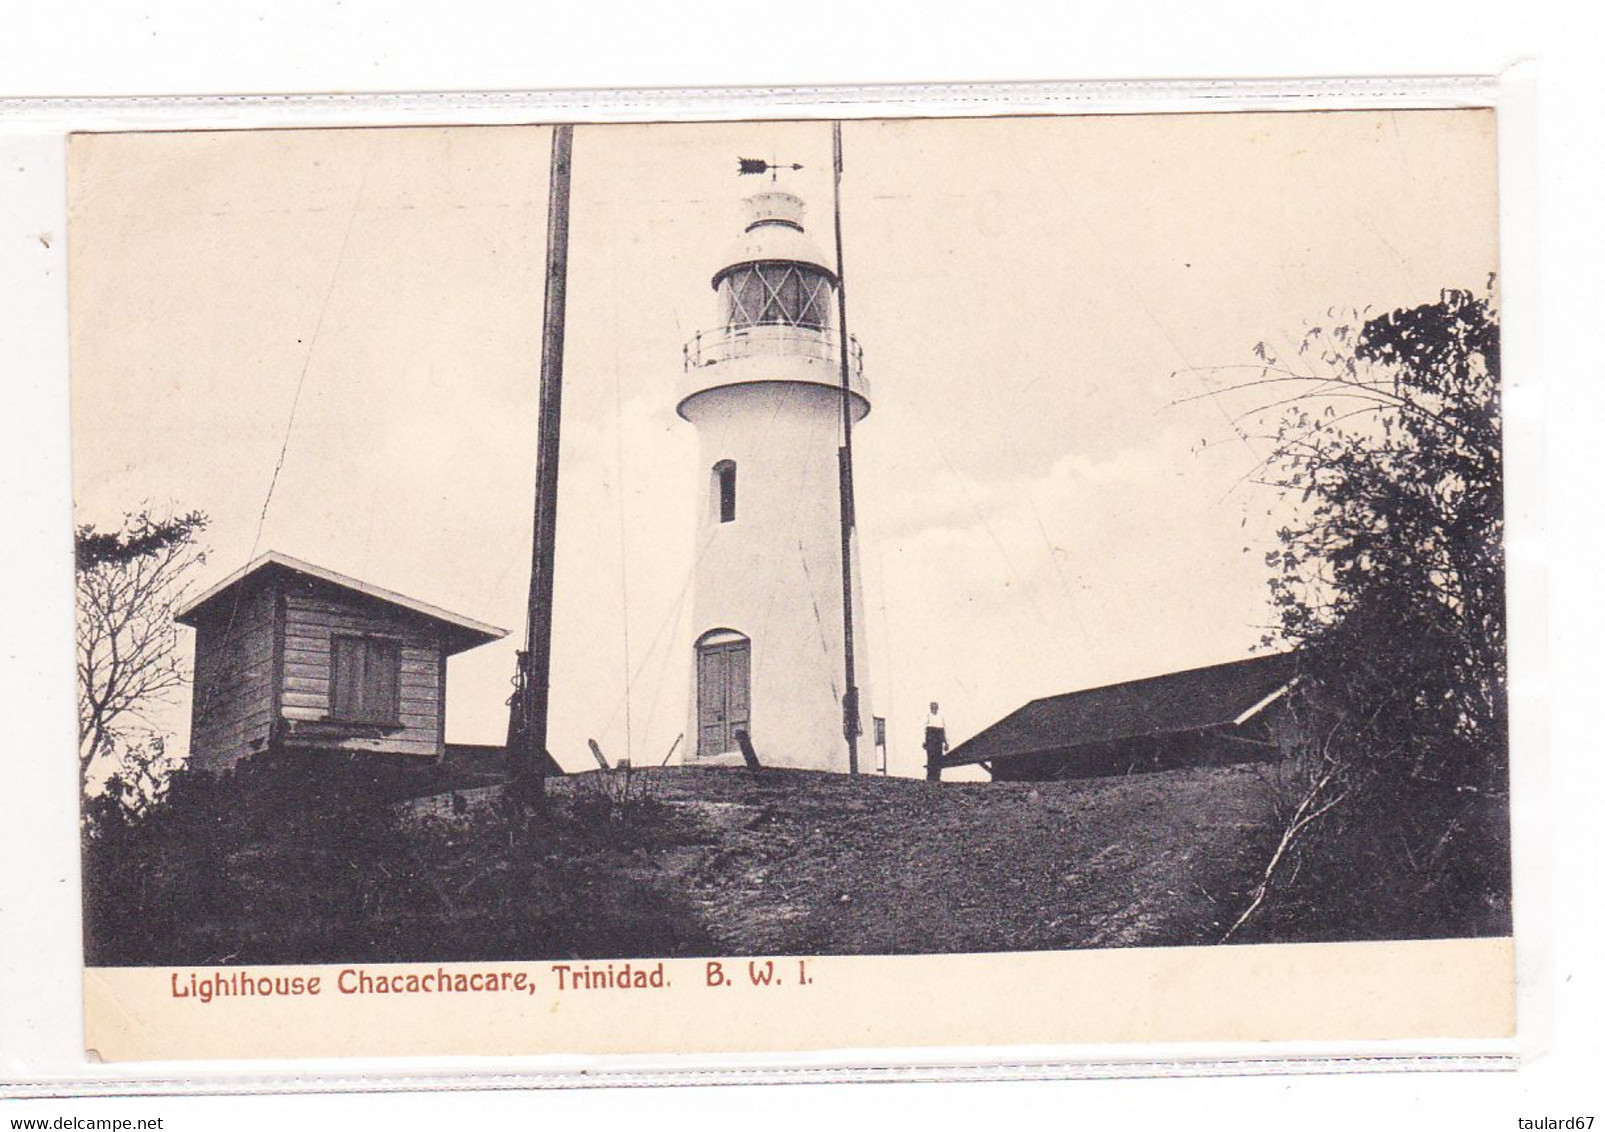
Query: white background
x=71 y=49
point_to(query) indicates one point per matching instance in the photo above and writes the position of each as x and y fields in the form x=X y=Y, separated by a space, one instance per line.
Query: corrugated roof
x=1157 y=705
x=465 y=632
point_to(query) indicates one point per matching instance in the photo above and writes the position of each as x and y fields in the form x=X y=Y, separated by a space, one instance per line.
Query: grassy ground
x=698 y=862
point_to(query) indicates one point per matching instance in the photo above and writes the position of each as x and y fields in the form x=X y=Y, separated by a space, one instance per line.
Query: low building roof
x=1198 y=698
x=460 y=632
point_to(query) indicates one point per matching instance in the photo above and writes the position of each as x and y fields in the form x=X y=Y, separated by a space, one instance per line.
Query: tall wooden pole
x=527 y=754
x=850 y=720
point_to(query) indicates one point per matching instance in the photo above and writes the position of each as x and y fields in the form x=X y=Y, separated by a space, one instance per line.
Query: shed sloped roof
x=461 y=632
x=1157 y=705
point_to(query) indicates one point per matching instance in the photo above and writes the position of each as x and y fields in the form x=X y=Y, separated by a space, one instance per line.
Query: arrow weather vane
x=757 y=166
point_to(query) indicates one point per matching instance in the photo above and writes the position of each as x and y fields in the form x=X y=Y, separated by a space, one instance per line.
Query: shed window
x=724 y=474
x=365 y=680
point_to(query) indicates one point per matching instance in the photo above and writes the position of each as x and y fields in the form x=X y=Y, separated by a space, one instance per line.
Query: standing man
x=935 y=743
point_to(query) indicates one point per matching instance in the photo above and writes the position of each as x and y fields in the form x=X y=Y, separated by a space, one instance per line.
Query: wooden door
x=723 y=694
x=713 y=667
x=737 y=675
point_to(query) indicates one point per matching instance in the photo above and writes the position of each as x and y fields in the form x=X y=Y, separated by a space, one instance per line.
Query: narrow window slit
x=725 y=479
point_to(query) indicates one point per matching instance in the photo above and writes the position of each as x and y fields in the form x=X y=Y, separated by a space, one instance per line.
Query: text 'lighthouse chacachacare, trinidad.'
x=765 y=392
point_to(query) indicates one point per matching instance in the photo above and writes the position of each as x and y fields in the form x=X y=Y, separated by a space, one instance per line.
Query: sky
x=329 y=341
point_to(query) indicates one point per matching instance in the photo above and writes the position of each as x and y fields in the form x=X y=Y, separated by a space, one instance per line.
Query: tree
x=129 y=583
x=1391 y=583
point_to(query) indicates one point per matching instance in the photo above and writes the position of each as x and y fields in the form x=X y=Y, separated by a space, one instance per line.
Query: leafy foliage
x=1397 y=567
x=310 y=858
x=1391 y=583
x=142 y=536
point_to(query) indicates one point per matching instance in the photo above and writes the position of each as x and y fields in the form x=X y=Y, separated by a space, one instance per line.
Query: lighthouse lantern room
x=764 y=390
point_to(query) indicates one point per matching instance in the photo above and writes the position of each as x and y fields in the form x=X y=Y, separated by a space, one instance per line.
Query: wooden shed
x=1223 y=713
x=289 y=655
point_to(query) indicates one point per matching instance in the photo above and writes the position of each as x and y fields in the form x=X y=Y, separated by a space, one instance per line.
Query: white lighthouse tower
x=764 y=391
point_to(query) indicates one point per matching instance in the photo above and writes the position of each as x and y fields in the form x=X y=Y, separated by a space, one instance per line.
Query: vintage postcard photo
x=779 y=585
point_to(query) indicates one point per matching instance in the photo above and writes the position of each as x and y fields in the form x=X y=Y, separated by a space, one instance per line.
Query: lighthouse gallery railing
x=710 y=347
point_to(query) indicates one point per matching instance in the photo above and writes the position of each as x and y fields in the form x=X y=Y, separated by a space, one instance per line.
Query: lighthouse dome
x=773 y=234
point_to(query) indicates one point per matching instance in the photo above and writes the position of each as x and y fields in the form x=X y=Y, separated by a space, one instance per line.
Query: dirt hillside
x=679 y=862
x=801 y=862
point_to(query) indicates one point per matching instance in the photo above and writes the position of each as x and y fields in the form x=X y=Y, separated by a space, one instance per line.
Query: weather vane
x=757 y=167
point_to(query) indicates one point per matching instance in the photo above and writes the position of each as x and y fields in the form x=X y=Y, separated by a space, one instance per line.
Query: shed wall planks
x=232 y=712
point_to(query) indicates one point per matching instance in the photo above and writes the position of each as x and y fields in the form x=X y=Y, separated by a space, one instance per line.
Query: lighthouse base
x=729 y=758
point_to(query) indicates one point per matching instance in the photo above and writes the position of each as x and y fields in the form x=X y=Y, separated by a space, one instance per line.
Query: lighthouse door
x=724 y=668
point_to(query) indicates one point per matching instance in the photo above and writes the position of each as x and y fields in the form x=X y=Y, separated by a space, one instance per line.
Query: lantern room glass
x=770 y=294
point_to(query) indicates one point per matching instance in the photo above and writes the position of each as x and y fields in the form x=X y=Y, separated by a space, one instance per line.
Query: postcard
x=791 y=585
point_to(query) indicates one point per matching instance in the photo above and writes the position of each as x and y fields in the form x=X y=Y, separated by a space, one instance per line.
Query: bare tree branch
x=130 y=582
